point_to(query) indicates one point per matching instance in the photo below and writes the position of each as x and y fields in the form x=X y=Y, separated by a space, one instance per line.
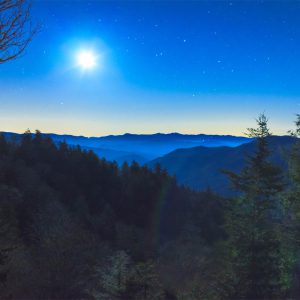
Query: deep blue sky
x=187 y=66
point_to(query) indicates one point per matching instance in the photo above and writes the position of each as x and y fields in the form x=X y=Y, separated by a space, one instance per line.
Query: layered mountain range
x=197 y=161
x=142 y=148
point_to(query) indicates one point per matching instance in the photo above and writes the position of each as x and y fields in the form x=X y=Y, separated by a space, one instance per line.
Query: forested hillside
x=76 y=227
x=153 y=214
x=201 y=167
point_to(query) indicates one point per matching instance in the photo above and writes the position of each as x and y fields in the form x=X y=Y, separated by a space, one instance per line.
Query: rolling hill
x=201 y=167
x=142 y=148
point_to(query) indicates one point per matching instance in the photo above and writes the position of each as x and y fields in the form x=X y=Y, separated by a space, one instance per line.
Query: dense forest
x=76 y=227
x=73 y=226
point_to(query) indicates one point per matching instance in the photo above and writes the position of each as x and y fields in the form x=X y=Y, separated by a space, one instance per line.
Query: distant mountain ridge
x=196 y=160
x=143 y=147
x=201 y=167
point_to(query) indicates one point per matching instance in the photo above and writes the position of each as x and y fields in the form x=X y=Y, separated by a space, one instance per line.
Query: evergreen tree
x=293 y=199
x=257 y=267
x=292 y=205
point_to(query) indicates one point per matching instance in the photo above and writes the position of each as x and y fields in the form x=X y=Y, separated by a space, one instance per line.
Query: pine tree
x=292 y=206
x=254 y=248
x=293 y=198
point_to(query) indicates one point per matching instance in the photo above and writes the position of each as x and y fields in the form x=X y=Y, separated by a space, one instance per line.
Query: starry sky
x=163 y=66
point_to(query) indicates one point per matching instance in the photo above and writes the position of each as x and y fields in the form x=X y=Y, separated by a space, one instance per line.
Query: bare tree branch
x=16 y=28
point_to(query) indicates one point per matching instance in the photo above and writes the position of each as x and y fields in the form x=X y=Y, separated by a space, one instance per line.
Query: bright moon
x=87 y=60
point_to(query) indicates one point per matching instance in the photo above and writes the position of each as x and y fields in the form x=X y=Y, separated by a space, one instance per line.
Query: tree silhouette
x=16 y=28
x=254 y=226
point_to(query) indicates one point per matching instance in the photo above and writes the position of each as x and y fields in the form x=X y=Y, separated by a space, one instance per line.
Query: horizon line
x=133 y=134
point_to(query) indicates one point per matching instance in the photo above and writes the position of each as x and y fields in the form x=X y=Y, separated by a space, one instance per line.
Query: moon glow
x=87 y=60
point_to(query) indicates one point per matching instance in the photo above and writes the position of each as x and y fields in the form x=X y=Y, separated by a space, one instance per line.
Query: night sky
x=172 y=66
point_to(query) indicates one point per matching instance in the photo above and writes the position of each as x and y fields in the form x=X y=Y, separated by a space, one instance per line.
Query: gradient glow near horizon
x=110 y=67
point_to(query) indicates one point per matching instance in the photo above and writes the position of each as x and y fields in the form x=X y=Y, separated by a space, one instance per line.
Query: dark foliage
x=70 y=222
